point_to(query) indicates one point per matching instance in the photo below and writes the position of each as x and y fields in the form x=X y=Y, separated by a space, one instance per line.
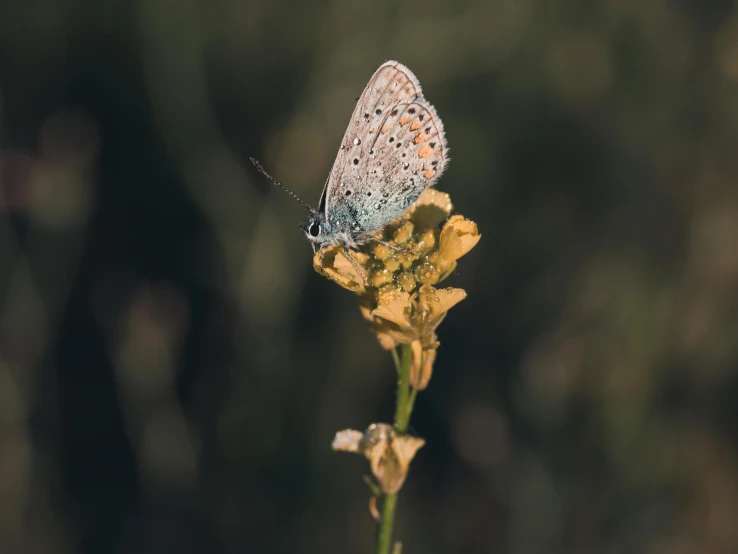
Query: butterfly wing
x=393 y=149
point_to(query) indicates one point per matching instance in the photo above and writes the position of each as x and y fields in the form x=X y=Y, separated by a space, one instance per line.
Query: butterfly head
x=321 y=233
x=317 y=229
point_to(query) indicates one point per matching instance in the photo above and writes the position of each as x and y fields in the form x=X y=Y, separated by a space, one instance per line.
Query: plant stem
x=402 y=414
x=403 y=410
x=384 y=528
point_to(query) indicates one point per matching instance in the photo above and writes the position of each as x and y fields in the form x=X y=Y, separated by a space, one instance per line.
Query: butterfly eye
x=314 y=230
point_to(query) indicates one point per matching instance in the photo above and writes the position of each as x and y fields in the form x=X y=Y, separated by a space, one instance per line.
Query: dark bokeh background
x=172 y=371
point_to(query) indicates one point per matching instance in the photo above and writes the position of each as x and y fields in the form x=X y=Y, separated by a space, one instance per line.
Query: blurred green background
x=172 y=370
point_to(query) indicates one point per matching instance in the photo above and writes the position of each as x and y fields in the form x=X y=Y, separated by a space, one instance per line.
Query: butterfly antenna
x=280 y=185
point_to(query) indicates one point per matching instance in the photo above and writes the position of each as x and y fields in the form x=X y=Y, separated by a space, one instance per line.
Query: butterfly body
x=394 y=148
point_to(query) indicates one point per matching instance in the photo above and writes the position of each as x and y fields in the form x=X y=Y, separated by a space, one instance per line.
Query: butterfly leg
x=347 y=253
x=391 y=246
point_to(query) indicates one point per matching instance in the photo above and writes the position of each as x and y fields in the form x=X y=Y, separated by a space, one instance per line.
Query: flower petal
x=430 y=209
x=387 y=339
x=459 y=235
x=332 y=263
x=436 y=302
x=347 y=440
x=394 y=306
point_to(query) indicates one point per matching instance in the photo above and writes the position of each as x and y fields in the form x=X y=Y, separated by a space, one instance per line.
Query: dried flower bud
x=389 y=454
x=421 y=367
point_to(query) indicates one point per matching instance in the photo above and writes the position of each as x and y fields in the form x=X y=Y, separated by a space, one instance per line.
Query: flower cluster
x=397 y=291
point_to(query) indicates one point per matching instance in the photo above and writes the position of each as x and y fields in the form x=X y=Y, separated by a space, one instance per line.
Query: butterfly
x=394 y=148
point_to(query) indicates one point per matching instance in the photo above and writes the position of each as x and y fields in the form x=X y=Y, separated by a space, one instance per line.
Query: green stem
x=384 y=528
x=402 y=414
x=405 y=402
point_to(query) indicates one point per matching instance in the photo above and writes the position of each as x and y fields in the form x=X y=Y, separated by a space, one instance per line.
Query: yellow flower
x=389 y=454
x=458 y=236
x=397 y=292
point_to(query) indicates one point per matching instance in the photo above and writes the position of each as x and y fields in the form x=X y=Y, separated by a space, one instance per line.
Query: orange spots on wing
x=421 y=137
x=404 y=120
x=425 y=151
x=386 y=128
x=415 y=126
x=429 y=173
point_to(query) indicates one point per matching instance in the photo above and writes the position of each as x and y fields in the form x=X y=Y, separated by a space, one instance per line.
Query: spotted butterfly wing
x=394 y=148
